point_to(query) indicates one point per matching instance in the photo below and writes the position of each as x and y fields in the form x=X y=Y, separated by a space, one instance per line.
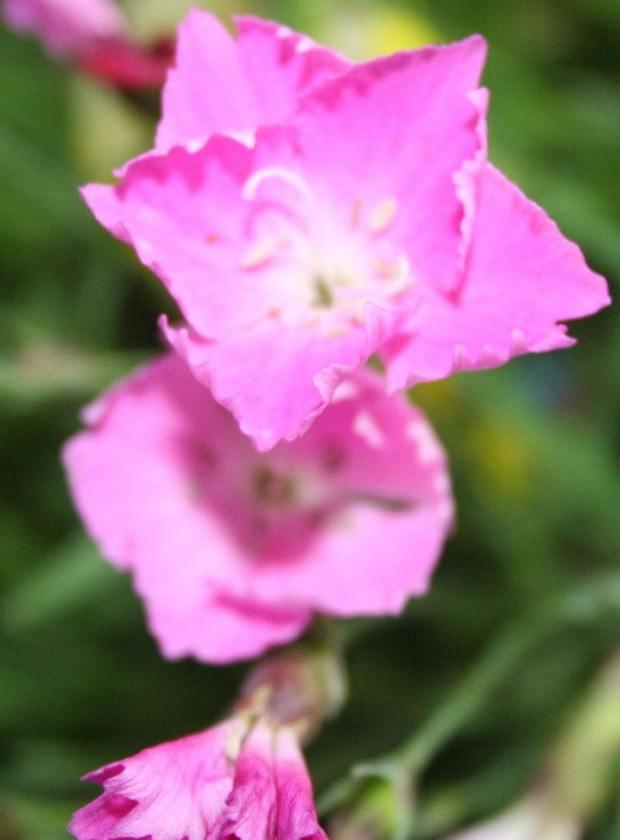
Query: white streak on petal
x=246 y=138
x=429 y=450
x=251 y=186
x=347 y=390
x=367 y=428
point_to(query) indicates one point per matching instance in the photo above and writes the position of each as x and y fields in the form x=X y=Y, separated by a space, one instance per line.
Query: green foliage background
x=533 y=446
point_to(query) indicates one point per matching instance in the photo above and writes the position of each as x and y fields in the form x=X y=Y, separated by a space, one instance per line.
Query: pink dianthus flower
x=66 y=27
x=91 y=33
x=233 y=781
x=306 y=213
x=232 y=550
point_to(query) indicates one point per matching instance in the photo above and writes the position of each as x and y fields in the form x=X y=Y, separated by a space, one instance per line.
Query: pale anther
x=260 y=253
x=394 y=275
x=381 y=217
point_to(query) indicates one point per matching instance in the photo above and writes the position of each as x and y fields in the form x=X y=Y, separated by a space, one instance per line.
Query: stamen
x=261 y=253
x=323 y=295
x=257 y=255
x=271 y=487
x=382 y=215
x=336 y=331
x=251 y=186
x=311 y=322
x=387 y=269
x=394 y=274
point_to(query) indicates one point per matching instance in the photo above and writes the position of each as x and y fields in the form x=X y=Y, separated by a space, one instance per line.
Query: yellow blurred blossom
x=367 y=32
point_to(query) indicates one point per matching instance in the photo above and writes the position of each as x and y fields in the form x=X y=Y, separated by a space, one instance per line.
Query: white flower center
x=329 y=267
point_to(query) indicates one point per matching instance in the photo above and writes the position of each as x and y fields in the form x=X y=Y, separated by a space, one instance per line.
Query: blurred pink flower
x=66 y=27
x=367 y=220
x=127 y=65
x=232 y=550
x=91 y=33
x=220 y=784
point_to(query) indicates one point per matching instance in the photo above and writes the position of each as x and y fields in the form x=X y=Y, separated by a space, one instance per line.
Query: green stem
x=585 y=605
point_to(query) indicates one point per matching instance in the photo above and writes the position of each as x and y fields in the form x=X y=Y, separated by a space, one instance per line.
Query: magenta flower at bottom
x=233 y=550
x=221 y=784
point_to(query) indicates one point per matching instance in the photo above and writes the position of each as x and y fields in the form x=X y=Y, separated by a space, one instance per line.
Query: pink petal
x=185 y=216
x=135 y=475
x=223 y=85
x=400 y=129
x=251 y=808
x=214 y=626
x=272 y=793
x=202 y=788
x=301 y=367
x=296 y=812
x=350 y=573
x=523 y=279
x=228 y=565
x=382 y=455
x=174 y=791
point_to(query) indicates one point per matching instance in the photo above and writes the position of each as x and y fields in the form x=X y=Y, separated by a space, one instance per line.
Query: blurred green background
x=531 y=574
